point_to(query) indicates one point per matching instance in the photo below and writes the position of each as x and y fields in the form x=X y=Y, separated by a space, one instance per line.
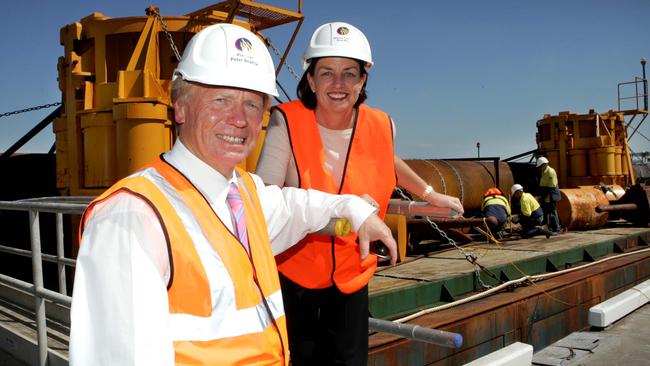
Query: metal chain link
x=286 y=65
x=470 y=257
x=30 y=109
x=167 y=34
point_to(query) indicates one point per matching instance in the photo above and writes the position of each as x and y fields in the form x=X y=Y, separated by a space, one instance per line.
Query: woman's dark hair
x=308 y=98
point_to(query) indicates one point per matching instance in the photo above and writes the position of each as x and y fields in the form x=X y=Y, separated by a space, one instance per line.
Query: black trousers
x=326 y=326
x=550 y=215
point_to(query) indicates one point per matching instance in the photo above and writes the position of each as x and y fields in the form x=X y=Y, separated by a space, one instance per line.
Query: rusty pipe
x=467 y=180
x=617 y=207
x=577 y=208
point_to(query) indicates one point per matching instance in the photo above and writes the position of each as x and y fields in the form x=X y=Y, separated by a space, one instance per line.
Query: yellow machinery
x=115 y=77
x=586 y=149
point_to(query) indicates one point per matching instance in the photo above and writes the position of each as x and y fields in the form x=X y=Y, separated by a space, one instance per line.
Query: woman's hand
x=443 y=200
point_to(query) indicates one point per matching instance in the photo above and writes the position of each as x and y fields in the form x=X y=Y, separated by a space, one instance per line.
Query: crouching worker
x=531 y=215
x=176 y=264
x=497 y=206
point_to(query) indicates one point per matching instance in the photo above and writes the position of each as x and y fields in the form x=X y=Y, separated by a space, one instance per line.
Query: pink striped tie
x=237 y=214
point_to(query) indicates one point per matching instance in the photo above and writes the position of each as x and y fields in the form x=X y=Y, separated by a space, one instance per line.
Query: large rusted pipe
x=617 y=208
x=577 y=208
x=467 y=180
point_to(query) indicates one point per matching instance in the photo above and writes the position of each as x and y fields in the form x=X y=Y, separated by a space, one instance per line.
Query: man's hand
x=374 y=229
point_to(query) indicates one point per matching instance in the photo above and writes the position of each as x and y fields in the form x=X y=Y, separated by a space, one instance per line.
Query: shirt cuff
x=356 y=211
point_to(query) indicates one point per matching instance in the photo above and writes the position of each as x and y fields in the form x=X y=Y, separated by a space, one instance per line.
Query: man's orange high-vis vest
x=245 y=325
x=320 y=261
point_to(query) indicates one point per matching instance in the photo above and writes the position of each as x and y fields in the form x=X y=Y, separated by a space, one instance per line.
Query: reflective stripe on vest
x=496 y=200
x=213 y=318
x=369 y=169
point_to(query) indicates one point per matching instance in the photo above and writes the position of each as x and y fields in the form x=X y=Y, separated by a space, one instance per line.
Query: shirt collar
x=212 y=184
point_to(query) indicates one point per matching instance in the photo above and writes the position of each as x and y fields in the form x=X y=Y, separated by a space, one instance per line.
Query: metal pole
x=413 y=208
x=645 y=85
x=478 y=149
x=37 y=273
x=60 y=254
x=416 y=332
x=31 y=133
x=617 y=207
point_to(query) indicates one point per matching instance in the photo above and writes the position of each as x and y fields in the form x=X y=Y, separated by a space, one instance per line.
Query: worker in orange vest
x=331 y=141
x=176 y=264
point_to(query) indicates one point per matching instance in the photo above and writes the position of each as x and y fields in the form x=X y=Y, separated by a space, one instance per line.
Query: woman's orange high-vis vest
x=320 y=261
x=245 y=325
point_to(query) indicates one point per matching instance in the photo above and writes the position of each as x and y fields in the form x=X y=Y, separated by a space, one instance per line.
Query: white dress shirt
x=120 y=307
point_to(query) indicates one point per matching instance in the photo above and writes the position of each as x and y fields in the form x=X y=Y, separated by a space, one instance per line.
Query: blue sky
x=451 y=73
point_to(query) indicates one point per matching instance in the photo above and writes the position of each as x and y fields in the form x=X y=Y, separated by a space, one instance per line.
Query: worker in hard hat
x=330 y=140
x=550 y=194
x=496 y=205
x=531 y=214
x=176 y=264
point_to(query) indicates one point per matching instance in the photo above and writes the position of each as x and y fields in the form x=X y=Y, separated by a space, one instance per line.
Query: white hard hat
x=228 y=55
x=338 y=39
x=515 y=188
x=541 y=160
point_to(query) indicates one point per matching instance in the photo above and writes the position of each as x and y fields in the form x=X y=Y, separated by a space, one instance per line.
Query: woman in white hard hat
x=329 y=140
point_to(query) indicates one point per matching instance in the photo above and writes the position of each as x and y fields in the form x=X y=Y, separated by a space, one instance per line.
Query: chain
x=167 y=34
x=286 y=65
x=30 y=109
x=470 y=257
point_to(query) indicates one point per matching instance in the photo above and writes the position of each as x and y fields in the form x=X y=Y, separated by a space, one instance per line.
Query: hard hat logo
x=343 y=31
x=243 y=44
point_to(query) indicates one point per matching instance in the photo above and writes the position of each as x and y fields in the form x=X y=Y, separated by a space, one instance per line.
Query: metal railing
x=59 y=206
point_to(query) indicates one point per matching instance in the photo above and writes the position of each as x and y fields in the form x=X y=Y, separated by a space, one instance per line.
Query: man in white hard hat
x=550 y=193
x=176 y=261
x=530 y=214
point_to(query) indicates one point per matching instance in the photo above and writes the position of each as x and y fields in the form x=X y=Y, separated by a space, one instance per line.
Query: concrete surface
x=625 y=343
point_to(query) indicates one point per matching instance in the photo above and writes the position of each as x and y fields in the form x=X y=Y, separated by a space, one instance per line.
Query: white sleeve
x=291 y=213
x=119 y=305
x=276 y=152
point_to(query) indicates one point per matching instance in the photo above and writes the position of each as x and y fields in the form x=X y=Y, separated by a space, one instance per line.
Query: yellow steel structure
x=115 y=76
x=586 y=149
